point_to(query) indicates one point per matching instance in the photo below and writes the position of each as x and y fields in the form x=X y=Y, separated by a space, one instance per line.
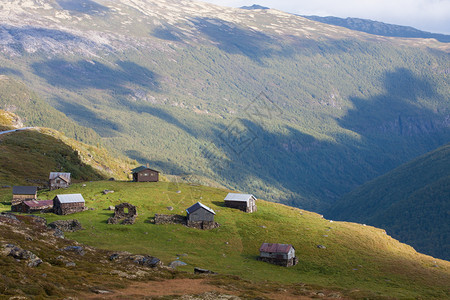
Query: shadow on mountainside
x=85 y=74
x=9 y=71
x=395 y=128
x=88 y=118
x=83 y=6
x=400 y=111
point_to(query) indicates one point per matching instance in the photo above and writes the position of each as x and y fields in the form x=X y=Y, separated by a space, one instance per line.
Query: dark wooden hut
x=145 y=174
x=244 y=202
x=21 y=194
x=68 y=204
x=58 y=180
x=278 y=254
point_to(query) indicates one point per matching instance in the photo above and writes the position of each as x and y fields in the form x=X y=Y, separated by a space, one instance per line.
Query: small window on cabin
x=145 y=174
x=58 y=181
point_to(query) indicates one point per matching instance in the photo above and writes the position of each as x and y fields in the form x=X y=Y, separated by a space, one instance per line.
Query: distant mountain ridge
x=412 y=202
x=380 y=28
x=254 y=6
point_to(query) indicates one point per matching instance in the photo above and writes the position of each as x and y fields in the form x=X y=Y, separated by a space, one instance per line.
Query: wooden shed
x=278 y=254
x=58 y=180
x=145 y=174
x=31 y=206
x=68 y=204
x=199 y=212
x=21 y=194
x=244 y=202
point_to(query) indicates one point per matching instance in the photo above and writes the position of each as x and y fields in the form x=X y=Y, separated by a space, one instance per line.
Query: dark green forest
x=411 y=202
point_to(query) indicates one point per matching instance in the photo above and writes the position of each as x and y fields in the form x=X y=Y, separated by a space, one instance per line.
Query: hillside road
x=14 y=130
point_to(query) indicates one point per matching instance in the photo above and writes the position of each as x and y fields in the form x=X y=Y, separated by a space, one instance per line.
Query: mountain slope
x=261 y=101
x=380 y=28
x=410 y=202
x=19 y=99
x=27 y=158
x=362 y=261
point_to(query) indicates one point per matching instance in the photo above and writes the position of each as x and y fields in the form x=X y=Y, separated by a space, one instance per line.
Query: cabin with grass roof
x=145 y=174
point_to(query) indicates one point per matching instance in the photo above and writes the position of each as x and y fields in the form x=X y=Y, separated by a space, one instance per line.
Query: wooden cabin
x=68 y=204
x=58 y=180
x=200 y=213
x=244 y=202
x=278 y=254
x=145 y=174
x=32 y=206
x=21 y=194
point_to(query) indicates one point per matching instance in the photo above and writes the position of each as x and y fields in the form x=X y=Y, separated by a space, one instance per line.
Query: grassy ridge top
x=27 y=157
x=362 y=260
x=411 y=202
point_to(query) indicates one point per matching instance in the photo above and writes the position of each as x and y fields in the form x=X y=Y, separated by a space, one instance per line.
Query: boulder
x=321 y=247
x=105 y=192
x=18 y=253
x=177 y=263
x=203 y=271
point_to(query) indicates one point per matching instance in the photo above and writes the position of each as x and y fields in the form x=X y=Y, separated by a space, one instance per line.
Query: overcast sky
x=427 y=15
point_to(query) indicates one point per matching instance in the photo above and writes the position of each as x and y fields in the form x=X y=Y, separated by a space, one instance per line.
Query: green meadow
x=361 y=260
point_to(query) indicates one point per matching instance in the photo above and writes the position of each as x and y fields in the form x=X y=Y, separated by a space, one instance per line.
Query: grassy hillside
x=178 y=85
x=27 y=157
x=410 y=202
x=360 y=260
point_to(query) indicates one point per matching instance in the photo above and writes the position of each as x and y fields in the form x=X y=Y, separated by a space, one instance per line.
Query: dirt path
x=175 y=287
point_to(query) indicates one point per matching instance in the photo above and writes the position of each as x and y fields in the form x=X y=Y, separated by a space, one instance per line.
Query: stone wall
x=205 y=225
x=280 y=262
x=177 y=219
x=122 y=217
x=169 y=219
x=68 y=208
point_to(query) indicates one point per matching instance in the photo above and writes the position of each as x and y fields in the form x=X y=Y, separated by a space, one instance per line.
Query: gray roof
x=197 y=206
x=65 y=176
x=239 y=197
x=24 y=190
x=70 y=198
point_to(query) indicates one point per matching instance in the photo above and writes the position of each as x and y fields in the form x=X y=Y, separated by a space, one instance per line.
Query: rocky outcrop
x=142 y=260
x=32 y=260
x=66 y=225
